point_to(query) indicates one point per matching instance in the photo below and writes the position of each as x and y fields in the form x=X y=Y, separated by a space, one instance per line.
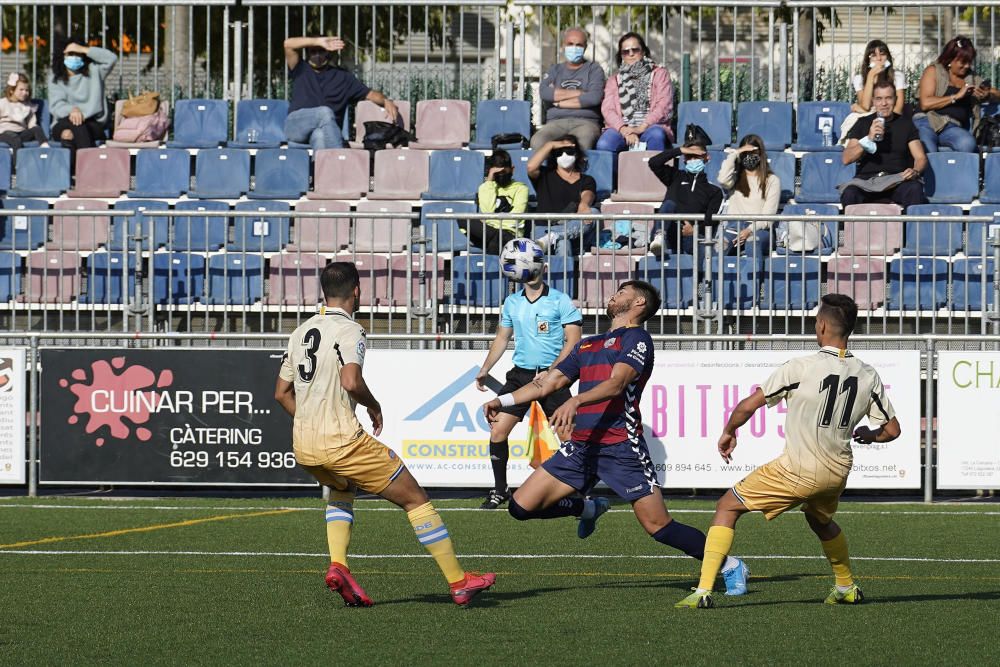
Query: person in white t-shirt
x=875 y=61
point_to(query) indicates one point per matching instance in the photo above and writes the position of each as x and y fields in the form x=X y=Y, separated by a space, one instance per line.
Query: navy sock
x=683 y=537
x=565 y=507
x=499 y=455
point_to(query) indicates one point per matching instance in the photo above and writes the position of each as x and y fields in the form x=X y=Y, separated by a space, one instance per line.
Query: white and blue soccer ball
x=521 y=260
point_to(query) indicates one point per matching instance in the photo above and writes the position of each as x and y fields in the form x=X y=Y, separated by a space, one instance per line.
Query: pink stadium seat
x=635 y=180
x=340 y=173
x=860 y=278
x=442 y=124
x=434 y=279
x=365 y=111
x=321 y=234
x=53 y=277
x=401 y=174
x=374 y=272
x=80 y=232
x=382 y=234
x=878 y=237
x=294 y=279
x=600 y=277
x=102 y=172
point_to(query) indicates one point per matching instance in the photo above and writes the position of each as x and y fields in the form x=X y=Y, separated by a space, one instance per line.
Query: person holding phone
x=875 y=61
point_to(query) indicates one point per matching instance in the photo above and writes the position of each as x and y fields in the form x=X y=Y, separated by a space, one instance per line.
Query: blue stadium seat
x=562 y=273
x=716 y=118
x=821 y=174
x=971 y=281
x=673 y=276
x=200 y=123
x=280 y=173
x=601 y=167
x=5 y=168
x=783 y=166
x=927 y=238
x=829 y=235
x=161 y=173
x=266 y=118
x=445 y=234
x=235 y=279
x=139 y=225
x=991 y=180
x=980 y=234
x=106 y=277
x=200 y=233
x=917 y=283
x=44 y=120
x=476 y=280
x=740 y=279
x=178 y=278
x=520 y=159
x=221 y=173
x=260 y=232
x=808 y=136
x=41 y=172
x=455 y=175
x=791 y=282
x=771 y=121
x=951 y=178
x=495 y=117
x=19 y=231
x=10 y=276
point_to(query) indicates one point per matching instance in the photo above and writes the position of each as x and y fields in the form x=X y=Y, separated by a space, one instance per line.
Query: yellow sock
x=718 y=542
x=836 y=553
x=433 y=534
x=339 y=520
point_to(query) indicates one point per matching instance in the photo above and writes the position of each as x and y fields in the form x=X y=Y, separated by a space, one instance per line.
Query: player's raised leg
x=718 y=544
x=834 y=542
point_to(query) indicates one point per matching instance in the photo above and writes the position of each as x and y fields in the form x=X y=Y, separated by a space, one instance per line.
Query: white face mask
x=566 y=161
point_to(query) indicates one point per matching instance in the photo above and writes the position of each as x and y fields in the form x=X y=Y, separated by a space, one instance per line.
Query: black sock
x=572 y=506
x=499 y=455
x=683 y=537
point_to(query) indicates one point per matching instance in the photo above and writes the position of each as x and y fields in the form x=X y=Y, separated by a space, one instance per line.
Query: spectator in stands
x=950 y=98
x=688 y=191
x=499 y=193
x=876 y=61
x=889 y=154
x=753 y=190
x=321 y=93
x=638 y=101
x=573 y=89
x=18 y=116
x=562 y=187
x=76 y=93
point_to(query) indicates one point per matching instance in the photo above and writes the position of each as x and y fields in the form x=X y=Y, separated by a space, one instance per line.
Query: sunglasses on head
x=629 y=51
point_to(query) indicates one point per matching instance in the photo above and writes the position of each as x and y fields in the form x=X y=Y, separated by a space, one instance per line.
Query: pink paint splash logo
x=112 y=398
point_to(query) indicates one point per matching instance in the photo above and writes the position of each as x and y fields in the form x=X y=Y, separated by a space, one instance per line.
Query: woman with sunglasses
x=556 y=171
x=638 y=101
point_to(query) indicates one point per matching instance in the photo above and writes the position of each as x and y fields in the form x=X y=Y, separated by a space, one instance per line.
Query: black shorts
x=517 y=378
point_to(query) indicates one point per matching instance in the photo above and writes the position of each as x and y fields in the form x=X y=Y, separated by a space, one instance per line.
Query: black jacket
x=691 y=193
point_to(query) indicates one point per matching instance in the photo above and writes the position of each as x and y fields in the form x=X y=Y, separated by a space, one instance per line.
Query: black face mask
x=503 y=179
x=750 y=161
x=319 y=60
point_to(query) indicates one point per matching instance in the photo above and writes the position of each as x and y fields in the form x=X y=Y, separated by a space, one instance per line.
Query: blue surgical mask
x=73 y=63
x=694 y=166
x=574 y=54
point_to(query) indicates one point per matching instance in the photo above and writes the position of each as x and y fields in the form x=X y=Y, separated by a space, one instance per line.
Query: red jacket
x=661 y=102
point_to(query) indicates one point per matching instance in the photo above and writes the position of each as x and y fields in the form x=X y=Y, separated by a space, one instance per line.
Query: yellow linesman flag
x=542 y=440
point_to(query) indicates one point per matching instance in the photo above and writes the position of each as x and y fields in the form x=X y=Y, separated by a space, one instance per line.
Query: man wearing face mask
x=574 y=90
x=321 y=93
x=499 y=193
x=688 y=191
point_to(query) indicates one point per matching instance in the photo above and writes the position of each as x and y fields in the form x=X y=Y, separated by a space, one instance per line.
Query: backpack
x=803 y=236
x=988 y=135
x=379 y=134
x=696 y=134
x=138 y=129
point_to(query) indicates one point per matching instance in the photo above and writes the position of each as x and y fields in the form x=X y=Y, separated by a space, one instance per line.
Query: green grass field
x=214 y=581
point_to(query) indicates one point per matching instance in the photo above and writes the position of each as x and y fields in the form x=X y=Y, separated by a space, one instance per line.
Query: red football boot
x=339 y=580
x=473 y=584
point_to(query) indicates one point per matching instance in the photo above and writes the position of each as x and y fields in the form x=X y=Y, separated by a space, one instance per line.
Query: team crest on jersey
x=640 y=346
x=609 y=342
x=543 y=327
x=361 y=349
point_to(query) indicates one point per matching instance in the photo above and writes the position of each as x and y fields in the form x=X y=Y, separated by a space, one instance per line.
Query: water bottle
x=880 y=132
x=828 y=136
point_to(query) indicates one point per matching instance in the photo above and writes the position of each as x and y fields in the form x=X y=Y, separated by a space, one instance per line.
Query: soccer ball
x=521 y=260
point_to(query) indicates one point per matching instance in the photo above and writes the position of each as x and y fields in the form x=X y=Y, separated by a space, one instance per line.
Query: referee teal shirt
x=538 y=325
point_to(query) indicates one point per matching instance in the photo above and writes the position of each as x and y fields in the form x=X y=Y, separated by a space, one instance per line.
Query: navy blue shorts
x=626 y=467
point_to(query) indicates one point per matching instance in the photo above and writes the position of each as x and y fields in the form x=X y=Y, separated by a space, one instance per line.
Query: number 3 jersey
x=828 y=394
x=324 y=411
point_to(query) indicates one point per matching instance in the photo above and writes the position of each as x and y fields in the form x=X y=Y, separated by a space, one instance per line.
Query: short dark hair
x=883 y=80
x=339 y=280
x=500 y=158
x=840 y=311
x=648 y=292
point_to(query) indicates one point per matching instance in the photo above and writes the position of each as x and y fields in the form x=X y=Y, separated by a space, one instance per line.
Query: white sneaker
x=546 y=241
x=656 y=245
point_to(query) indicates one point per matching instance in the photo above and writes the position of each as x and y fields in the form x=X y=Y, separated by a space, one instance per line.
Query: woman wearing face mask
x=18 y=116
x=499 y=193
x=753 y=190
x=556 y=171
x=688 y=191
x=638 y=102
x=76 y=93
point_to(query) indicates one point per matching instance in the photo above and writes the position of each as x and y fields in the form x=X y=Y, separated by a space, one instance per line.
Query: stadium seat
x=991 y=180
x=80 y=232
x=455 y=175
x=366 y=111
x=221 y=173
x=294 y=279
x=153 y=143
x=928 y=238
x=20 y=231
x=259 y=232
x=617 y=208
x=951 y=178
x=494 y=117
x=673 y=275
x=280 y=173
x=102 y=172
x=200 y=123
x=341 y=173
x=235 y=279
x=374 y=272
x=476 y=281
x=739 y=281
x=53 y=277
x=143 y=225
x=5 y=169
x=400 y=174
x=562 y=273
x=972 y=284
x=10 y=276
x=808 y=136
x=200 y=233
x=783 y=166
x=716 y=118
x=433 y=281
x=161 y=173
x=600 y=276
x=860 y=278
x=980 y=234
x=917 y=283
x=520 y=159
x=601 y=167
x=321 y=234
x=791 y=282
x=821 y=174
x=442 y=124
x=266 y=118
x=635 y=180
x=107 y=277
x=178 y=278
x=878 y=237
x=829 y=236
x=41 y=172
x=445 y=235
x=771 y=121
x=44 y=115
x=384 y=234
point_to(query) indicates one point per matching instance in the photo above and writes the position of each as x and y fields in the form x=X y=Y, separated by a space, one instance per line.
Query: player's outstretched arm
x=741 y=415
x=887 y=432
x=284 y=394
x=497 y=348
x=538 y=388
x=354 y=384
x=622 y=375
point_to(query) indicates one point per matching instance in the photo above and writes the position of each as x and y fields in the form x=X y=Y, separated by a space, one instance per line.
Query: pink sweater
x=661 y=102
